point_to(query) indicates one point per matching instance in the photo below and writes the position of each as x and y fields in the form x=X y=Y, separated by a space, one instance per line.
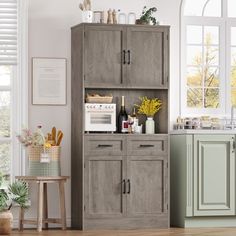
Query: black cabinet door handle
x=146 y=145
x=129 y=57
x=129 y=186
x=124 y=57
x=104 y=145
x=123 y=186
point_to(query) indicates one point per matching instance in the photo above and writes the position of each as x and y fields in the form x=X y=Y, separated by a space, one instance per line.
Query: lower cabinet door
x=147 y=186
x=214 y=175
x=104 y=187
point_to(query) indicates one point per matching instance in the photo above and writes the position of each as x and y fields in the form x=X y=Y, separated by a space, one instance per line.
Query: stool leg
x=21 y=219
x=62 y=204
x=45 y=204
x=40 y=207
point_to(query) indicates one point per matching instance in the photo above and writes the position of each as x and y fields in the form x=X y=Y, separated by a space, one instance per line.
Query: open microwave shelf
x=132 y=97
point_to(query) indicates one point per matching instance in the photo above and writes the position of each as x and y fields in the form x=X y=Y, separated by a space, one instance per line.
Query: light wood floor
x=168 y=232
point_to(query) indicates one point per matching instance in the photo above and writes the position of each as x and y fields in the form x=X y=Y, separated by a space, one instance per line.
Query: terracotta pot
x=6 y=219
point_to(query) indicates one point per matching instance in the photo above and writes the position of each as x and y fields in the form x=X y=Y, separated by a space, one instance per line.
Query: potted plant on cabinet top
x=149 y=107
x=17 y=193
x=146 y=17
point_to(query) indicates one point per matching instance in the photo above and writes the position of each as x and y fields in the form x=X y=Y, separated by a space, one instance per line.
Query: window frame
x=224 y=23
x=231 y=22
x=20 y=88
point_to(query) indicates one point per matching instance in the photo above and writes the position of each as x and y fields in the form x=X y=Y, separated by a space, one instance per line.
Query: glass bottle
x=123 y=123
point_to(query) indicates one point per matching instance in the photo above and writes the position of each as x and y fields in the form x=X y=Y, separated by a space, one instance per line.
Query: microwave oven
x=100 y=117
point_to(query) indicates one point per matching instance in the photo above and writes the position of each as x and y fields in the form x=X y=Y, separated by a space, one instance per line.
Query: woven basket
x=99 y=99
x=36 y=168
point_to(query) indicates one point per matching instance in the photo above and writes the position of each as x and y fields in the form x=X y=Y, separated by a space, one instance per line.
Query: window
x=6 y=72
x=208 y=47
x=11 y=86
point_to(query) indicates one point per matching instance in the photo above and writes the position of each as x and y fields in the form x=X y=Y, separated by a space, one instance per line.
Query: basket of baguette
x=97 y=98
x=43 y=152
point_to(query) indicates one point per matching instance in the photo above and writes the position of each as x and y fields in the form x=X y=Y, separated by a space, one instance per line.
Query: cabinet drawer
x=103 y=145
x=148 y=146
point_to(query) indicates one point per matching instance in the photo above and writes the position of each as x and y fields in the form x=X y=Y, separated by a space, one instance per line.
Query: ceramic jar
x=87 y=16
x=150 y=125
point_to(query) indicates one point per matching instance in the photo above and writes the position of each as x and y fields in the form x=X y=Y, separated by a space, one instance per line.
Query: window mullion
x=5 y=88
x=224 y=10
x=227 y=64
x=203 y=67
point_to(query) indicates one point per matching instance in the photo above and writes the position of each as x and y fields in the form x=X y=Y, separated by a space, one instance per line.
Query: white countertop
x=200 y=131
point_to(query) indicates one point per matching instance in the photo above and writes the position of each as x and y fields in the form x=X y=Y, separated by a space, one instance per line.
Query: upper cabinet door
x=103 y=60
x=147 y=57
x=214 y=175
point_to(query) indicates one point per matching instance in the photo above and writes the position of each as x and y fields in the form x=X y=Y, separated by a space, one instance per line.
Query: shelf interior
x=132 y=98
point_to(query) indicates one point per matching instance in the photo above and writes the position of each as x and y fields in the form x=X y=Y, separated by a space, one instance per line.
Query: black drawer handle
x=124 y=57
x=129 y=57
x=129 y=186
x=104 y=145
x=123 y=186
x=146 y=145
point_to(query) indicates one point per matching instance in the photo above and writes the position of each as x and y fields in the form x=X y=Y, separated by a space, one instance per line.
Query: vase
x=150 y=126
x=87 y=16
x=6 y=219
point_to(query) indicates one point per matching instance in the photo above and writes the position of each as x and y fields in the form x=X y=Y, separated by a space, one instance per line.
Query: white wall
x=49 y=36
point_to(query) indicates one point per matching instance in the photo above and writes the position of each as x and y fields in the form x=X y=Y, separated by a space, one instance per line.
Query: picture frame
x=49 y=83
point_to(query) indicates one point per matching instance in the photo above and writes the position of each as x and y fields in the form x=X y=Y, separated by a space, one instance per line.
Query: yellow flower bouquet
x=149 y=107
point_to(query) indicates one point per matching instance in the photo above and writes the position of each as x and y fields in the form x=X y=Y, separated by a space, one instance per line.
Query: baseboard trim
x=208 y=222
x=16 y=223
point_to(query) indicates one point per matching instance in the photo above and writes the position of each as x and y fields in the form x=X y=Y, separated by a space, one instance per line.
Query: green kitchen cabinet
x=202 y=179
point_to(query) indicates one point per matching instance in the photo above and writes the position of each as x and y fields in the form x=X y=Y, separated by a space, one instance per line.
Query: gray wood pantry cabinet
x=203 y=180
x=120 y=181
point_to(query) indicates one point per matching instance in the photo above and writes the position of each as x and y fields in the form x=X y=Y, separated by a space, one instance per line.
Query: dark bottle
x=123 y=124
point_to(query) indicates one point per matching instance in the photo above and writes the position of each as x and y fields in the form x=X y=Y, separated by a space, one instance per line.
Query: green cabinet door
x=214 y=175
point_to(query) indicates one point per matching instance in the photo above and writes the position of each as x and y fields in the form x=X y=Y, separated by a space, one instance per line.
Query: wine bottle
x=123 y=118
x=135 y=120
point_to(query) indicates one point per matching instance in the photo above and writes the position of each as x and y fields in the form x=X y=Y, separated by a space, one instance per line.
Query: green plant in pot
x=15 y=193
x=146 y=17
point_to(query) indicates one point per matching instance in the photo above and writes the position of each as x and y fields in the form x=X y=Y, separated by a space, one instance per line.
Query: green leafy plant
x=147 y=17
x=16 y=192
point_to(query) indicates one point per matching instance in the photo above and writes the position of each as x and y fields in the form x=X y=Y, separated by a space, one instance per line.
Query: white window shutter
x=8 y=32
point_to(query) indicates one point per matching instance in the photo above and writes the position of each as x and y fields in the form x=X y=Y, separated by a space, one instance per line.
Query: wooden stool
x=42 y=213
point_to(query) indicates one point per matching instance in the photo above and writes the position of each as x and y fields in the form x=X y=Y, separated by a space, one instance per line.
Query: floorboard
x=166 y=232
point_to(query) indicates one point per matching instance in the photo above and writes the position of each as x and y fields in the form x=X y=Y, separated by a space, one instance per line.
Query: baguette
x=54 y=131
x=59 y=138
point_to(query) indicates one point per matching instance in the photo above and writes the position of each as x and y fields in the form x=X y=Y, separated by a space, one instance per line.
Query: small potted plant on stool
x=15 y=193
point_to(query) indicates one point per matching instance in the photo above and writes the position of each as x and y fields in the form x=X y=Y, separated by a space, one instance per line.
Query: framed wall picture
x=49 y=81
